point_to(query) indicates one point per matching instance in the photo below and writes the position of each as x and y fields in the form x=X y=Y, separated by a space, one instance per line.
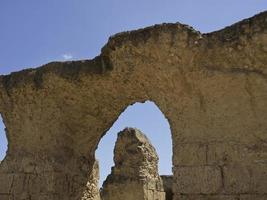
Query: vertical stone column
x=135 y=174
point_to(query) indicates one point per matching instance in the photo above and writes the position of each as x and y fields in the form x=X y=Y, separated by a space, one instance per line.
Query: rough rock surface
x=92 y=189
x=135 y=174
x=167 y=181
x=211 y=87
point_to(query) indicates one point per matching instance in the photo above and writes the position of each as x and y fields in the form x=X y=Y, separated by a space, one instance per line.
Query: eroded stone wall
x=167 y=181
x=92 y=188
x=211 y=87
x=135 y=174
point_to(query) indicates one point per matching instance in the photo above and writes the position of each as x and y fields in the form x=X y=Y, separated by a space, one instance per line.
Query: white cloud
x=67 y=56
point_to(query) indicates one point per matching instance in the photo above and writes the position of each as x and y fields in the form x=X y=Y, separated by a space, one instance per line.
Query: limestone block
x=253 y=197
x=236 y=179
x=26 y=196
x=189 y=154
x=197 y=180
x=207 y=197
x=223 y=153
x=245 y=179
x=119 y=190
x=5 y=197
x=259 y=178
x=230 y=152
x=6 y=181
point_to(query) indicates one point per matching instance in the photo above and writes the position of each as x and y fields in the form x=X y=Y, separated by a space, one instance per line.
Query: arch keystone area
x=211 y=87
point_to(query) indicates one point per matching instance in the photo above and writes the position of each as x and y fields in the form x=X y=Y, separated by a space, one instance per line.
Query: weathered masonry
x=211 y=87
x=135 y=173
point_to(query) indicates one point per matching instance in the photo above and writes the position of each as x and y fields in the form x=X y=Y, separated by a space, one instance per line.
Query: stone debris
x=92 y=188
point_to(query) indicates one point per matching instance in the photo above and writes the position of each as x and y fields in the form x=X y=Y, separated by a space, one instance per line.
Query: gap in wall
x=148 y=118
x=3 y=139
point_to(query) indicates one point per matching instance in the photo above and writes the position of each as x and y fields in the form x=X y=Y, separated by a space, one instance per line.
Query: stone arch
x=129 y=114
x=86 y=189
x=211 y=88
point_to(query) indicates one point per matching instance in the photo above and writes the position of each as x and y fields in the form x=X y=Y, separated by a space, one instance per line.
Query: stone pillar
x=135 y=174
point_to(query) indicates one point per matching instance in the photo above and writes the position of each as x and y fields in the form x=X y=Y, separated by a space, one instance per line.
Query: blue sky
x=150 y=120
x=34 y=32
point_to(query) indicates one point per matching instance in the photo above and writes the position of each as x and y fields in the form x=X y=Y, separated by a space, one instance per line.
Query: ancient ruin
x=167 y=181
x=211 y=87
x=135 y=174
x=91 y=191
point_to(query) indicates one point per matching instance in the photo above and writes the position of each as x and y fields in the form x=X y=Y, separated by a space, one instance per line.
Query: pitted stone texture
x=253 y=197
x=134 y=155
x=208 y=197
x=245 y=179
x=92 y=188
x=135 y=174
x=198 y=180
x=167 y=185
x=211 y=87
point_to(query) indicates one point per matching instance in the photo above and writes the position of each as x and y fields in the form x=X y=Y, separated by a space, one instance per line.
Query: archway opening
x=149 y=119
x=3 y=140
